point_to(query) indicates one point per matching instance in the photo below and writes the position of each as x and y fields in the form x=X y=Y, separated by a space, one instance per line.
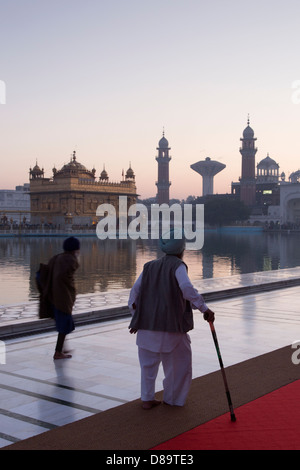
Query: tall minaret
x=247 y=180
x=163 y=184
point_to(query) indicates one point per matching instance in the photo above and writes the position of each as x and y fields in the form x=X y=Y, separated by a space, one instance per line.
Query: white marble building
x=15 y=204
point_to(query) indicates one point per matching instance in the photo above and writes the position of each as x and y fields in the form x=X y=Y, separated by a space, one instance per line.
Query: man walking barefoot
x=61 y=292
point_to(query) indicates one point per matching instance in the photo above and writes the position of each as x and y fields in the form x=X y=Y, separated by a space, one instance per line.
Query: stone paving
x=255 y=314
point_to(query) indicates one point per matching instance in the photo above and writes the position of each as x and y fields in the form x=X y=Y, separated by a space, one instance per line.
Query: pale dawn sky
x=104 y=77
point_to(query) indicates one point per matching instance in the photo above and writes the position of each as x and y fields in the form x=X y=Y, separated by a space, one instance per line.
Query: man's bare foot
x=147 y=405
x=61 y=355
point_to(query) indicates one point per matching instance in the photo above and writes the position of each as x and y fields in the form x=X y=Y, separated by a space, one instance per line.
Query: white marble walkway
x=38 y=394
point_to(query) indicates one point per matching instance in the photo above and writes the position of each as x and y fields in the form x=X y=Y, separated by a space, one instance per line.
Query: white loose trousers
x=177 y=367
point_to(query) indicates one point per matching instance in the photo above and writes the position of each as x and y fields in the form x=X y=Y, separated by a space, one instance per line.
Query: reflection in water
x=115 y=264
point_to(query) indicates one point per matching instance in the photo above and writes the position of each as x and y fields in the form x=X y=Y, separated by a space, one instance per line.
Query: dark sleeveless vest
x=161 y=306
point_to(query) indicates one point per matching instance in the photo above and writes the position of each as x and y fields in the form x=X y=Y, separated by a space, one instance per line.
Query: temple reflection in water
x=114 y=264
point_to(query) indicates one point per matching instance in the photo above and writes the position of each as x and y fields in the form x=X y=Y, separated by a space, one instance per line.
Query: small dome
x=267 y=162
x=36 y=169
x=248 y=133
x=36 y=172
x=163 y=143
x=294 y=177
x=130 y=173
x=104 y=174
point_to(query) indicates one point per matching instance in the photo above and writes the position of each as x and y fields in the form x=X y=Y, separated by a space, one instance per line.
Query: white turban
x=172 y=242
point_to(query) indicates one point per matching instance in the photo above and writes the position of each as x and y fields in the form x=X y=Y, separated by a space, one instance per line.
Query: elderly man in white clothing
x=161 y=302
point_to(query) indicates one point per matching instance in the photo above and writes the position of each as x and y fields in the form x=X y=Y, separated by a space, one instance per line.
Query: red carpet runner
x=271 y=422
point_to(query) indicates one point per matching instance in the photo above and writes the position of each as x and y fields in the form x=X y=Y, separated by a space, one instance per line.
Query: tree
x=220 y=210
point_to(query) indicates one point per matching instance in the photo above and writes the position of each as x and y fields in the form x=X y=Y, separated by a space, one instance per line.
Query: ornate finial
x=163 y=131
x=248 y=120
x=74 y=155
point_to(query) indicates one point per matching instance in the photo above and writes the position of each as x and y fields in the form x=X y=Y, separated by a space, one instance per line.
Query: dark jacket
x=56 y=284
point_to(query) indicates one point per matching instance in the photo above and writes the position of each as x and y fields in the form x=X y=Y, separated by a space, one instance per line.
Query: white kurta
x=156 y=346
